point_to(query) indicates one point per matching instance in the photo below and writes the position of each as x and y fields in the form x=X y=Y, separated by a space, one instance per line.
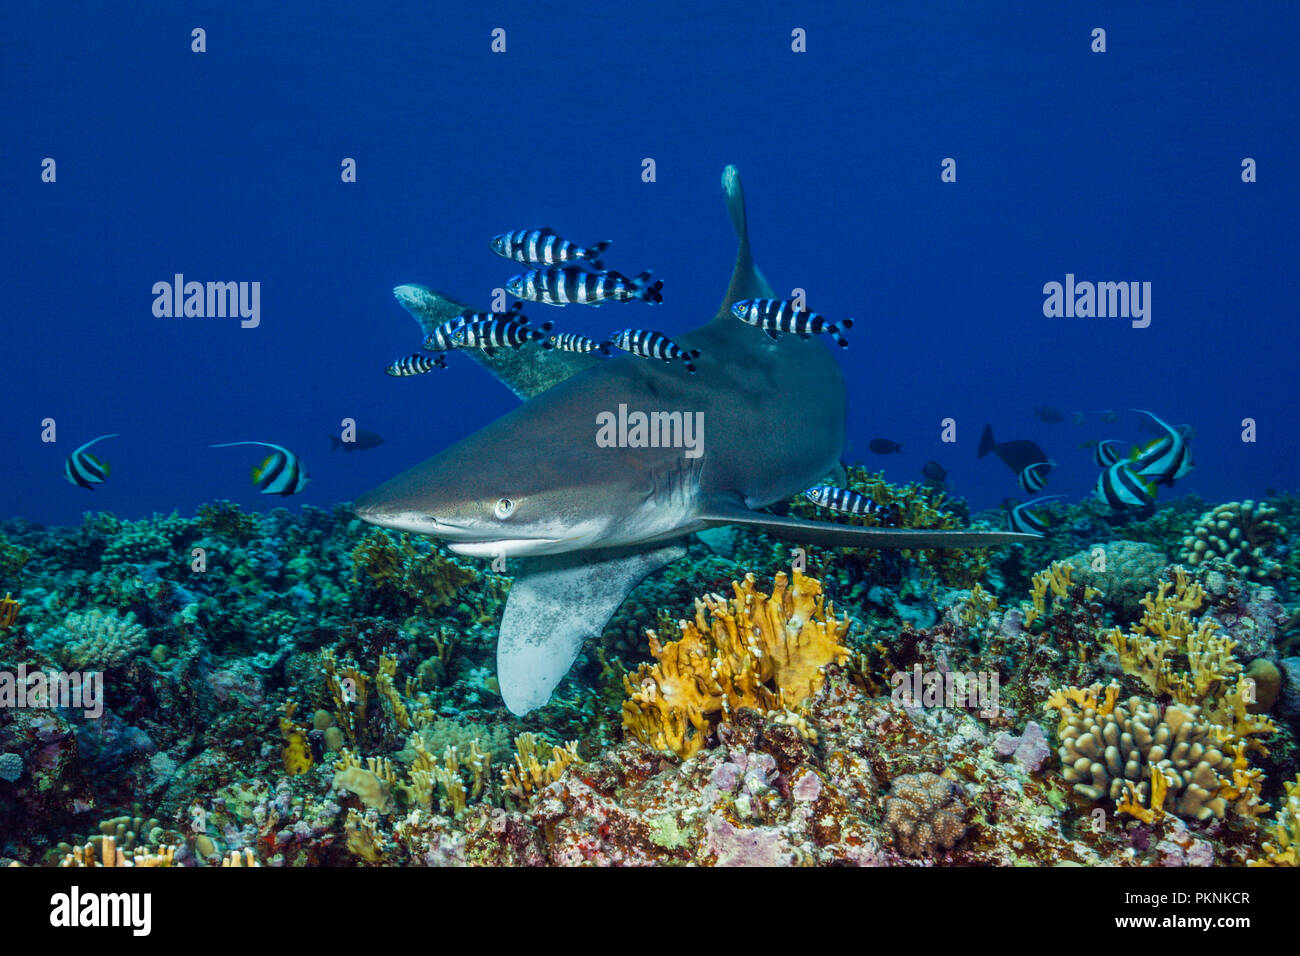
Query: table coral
x=925 y=813
x=1240 y=532
x=753 y=650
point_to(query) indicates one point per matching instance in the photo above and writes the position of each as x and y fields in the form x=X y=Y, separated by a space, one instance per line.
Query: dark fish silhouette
x=1046 y=413
x=883 y=446
x=1016 y=455
x=362 y=441
x=934 y=472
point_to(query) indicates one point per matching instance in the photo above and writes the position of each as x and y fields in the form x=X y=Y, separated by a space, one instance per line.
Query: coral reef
x=925 y=813
x=1241 y=534
x=752 y=651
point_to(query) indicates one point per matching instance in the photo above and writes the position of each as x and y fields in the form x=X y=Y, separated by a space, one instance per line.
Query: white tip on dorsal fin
x=746 y=281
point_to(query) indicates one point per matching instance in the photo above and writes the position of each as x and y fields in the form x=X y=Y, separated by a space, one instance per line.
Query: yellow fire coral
x=1058 y=579
x=530 y=774
x=753 y=650
x=9 y=609
x=1188 y=659
x=1282 y=850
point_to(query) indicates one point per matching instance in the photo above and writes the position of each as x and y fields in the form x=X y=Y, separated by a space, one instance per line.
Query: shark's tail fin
x=593 y=253
x=987 y=443
x=647 y=290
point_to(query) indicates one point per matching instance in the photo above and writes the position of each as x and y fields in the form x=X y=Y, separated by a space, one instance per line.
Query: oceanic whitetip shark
x=582 y=524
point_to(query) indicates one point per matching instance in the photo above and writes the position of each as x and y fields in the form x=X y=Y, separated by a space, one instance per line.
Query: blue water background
x=225 y=166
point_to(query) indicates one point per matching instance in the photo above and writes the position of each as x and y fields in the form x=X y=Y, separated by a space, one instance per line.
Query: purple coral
x=1029 y=750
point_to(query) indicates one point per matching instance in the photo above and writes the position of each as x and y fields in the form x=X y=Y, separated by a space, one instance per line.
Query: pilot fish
x=497 y=333
x=780 y=315
x=545 y=247
x=416 y=364
x=573 y=342
x=560 y=287
x=842 y=499
x=649 y=344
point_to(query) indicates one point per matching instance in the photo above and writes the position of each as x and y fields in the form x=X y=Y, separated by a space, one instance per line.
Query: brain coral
x=1239 y=532
x=1123 y=577
x=924 y=811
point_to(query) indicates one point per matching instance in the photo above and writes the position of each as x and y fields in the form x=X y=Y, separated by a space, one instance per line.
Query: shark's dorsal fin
x=526 y=371
x=746 y=281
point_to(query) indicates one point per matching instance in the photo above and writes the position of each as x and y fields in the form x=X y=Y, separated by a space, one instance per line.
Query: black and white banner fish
x=653 y=345
x=416 y=364
x=1105 y=452
x=1166 y=459
x=779 y=315
x=1033 y=478
x=545 y=247
x=1121 y=487
x=1020 y=518
x=84 y=469
x=280 y=473
x=573 y=285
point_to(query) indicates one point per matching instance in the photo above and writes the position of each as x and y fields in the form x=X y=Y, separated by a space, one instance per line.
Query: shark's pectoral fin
x=555 y=604
x=830 y=535
x=524 y=373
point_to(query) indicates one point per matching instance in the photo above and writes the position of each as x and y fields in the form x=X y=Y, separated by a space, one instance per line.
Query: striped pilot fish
x=84 y=469
x=280 y=473
x=573 y=342
x=1166 y=459
x=774 y=316
x=848 y=501
x=653 y=345
x=499 y=333
x=1033 y=478
x=578 y=286
x=1020 y=518
x=545 y=247
x=416 y=364
x=1120 y=486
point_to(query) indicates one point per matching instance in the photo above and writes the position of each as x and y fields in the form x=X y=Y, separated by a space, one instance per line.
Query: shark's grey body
x=585 y=522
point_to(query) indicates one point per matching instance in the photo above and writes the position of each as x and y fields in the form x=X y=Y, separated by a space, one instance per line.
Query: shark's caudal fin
x=527 y=371
x=555 y=604
x=828 y=534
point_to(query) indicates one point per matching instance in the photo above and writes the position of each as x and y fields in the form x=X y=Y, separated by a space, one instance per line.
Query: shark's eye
x=504 y=508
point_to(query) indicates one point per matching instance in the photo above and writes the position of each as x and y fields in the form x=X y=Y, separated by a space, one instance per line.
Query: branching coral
x=1056 y=581
x=1146 y=760
x=224 y=519
x=1282 y=850
x=1188 y=659
x=404 y=575
x=94 y=639
x=535 y=768
x=752 y=651
x=1240 y=532
x=9 y=609
x=904 y=506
